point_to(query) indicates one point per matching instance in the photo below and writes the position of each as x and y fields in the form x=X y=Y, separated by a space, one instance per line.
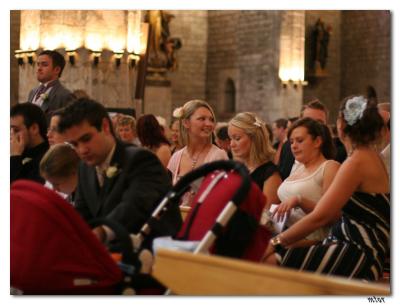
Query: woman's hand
x=285 y=207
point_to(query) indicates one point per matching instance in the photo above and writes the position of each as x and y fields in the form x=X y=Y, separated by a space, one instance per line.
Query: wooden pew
x=184 y=212
x=188 y=274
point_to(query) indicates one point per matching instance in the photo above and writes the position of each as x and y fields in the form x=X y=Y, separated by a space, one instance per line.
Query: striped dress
x=356 y=246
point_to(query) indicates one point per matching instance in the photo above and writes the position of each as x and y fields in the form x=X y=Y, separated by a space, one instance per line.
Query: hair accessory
x=354 y=109
x=178 y=112
x=257 y=123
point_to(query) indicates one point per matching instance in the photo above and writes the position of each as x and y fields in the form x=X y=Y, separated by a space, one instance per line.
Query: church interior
x=268 y=62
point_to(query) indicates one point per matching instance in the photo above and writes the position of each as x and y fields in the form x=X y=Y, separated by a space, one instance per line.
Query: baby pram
x=225 y=213
x=53 y=250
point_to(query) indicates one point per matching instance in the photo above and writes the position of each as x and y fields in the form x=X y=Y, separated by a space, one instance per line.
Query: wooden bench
x=188 y=274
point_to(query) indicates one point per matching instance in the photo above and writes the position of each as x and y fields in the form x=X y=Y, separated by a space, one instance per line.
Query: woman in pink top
x=196 y=124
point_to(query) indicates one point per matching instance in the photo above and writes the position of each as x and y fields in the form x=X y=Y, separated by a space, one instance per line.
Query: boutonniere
x=44 y=96
x=112 y=171
x=26 y=160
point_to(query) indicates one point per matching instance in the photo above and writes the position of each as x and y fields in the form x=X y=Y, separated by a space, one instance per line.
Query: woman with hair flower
x=357 y=204
x=250 y=144
x=196 y=126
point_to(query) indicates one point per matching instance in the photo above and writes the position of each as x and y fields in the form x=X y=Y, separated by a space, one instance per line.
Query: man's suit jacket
x=59 y=97
x=131 y=195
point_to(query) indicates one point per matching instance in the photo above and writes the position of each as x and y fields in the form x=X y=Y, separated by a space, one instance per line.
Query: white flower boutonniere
x=112 y=171
x=44 y=96
x=26 y=160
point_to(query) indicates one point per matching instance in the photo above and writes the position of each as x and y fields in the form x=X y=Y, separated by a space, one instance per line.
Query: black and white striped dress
x=357 y=245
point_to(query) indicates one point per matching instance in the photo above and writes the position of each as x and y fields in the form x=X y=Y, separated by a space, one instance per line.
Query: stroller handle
x=205 y=169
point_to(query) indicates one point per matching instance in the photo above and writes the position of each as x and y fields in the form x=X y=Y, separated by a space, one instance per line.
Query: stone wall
x=245 y=46
x=189 y=80
x=326 y=88
x=366 y=53
x=15 y=21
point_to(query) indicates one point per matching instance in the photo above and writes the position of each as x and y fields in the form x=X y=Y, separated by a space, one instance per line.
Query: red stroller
x=53 y=250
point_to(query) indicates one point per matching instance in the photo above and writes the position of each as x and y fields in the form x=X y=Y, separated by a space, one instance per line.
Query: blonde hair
x=186 y=112
x=61 y=160
x=261 y=149
x=125 y=120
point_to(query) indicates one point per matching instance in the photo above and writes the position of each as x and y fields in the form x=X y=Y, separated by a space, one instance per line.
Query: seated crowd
x=333 y=194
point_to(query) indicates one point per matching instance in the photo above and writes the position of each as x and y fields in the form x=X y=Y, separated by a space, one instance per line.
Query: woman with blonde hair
x=196 y=124
x=250 y=144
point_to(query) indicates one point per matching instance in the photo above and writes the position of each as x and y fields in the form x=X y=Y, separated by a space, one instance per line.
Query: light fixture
x=96 y=57
x=118 y=56
x=20 y=57
x=293 y=83
x=71 y=56
x=22 y=54
x=133 y=58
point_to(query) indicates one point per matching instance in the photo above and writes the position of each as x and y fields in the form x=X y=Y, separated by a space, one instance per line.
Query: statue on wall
x=320 y=36
x=162 y=47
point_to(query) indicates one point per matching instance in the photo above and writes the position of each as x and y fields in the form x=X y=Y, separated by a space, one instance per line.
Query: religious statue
x=162 y=47
x=319 y=46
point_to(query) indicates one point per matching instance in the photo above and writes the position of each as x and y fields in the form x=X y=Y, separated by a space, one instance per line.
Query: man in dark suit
x=28 y=141
x=51 y=94
x=117 y=181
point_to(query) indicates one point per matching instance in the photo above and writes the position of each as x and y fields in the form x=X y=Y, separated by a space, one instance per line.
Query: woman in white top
x=311 y=175
x=196 y=124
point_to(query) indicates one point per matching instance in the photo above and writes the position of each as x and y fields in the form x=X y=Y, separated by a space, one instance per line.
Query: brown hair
x=60 y=160
x=316 y=129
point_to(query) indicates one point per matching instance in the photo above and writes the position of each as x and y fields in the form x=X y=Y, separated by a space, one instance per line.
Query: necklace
x=195 y=159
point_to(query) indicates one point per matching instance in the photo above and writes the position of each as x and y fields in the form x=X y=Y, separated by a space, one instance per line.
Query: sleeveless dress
x=357 y=245
x=263 y=172
x=214 y=154
x=309 y=187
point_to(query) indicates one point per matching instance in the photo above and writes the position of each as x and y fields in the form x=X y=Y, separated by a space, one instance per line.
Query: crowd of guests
x=332 y=189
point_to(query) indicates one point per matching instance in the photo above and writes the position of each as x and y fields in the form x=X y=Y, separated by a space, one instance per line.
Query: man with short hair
x=279 y=130
x=117 y=181
x=28 y=141
x=51 y=94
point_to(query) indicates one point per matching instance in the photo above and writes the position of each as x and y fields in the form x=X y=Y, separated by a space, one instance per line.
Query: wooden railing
x=188 y=274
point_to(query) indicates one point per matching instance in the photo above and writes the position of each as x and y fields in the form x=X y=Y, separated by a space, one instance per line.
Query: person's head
x=222 y=138
x=29 y=121
x=149 y=131
x=197 y=120
x=309 y=138
x=50 y=65
x=249 y=139
x=53 y=135
x=80 y=93
x=126 y=128
x=59 y=166
x=291 y=121
x=315 y=110
x=270 y=132
x=87 y=126
x=279 y=129
x=174 y=132
x=359 y=121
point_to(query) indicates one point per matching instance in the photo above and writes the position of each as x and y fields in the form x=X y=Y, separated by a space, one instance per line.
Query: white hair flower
x=354 y=109
x=257 y=123
x=178 y=113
